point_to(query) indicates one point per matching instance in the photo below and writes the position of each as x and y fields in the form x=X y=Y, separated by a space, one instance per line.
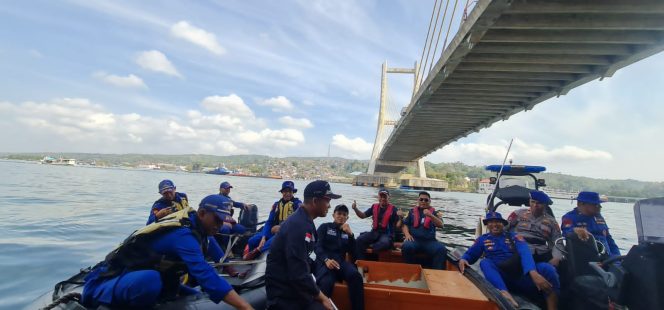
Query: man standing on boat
x=538 y=228
x=147 y=266
x=508 y=263
x=419 y=229
x=288 y=278
x=281 y=210
x=385 y=222
x=170 y=201
x=586 y=219
x=335 y=241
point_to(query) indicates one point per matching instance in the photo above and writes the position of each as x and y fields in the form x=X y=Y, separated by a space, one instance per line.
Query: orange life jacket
x=416 y=218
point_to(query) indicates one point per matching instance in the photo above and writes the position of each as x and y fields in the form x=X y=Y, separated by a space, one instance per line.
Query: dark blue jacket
x=421 y=232
x=163 y=203
x=499 y=249
x=229 y=202
x=596 y=225
x=334 y=243
x=288 y=275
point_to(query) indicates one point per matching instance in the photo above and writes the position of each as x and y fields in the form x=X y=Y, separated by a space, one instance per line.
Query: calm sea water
x=58 y=219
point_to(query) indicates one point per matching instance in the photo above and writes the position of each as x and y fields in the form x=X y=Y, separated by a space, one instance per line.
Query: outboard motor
x=643 y=285
x=249 y=218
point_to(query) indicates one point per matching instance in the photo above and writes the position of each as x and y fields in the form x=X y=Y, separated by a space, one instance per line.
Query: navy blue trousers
x=434 y=250
x=377 y=241
x=523 y=283
x=325 y=278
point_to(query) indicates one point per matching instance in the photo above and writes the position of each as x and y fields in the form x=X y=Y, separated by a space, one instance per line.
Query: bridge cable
x=427 y=39
x=426 y=60
x=442 y=23
x=448 y=27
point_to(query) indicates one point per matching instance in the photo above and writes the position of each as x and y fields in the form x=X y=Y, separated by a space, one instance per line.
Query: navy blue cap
x=589 y=197
x=166 y=185
x=540 y=197
x=215 y=203
x=318 y=189
x=288 y=184
x=225 y=185
x=494 y=216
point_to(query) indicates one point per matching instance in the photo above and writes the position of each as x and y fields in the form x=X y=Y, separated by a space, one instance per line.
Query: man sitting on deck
x=335 y=240
x=508 y=263
x=281 y=210
x=170 y=201
x=419 y=230
x=385 y=221
x=230 y=225
x=586 y=219
x=538 y=228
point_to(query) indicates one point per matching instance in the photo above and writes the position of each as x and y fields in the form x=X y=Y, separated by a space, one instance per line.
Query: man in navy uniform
x=288 y=278
x=170 y=201
x=386 y=220
x=281 y=210
x=230 y=225
x=508 y=263
x=538 y=228
x=335 y=241
x=147 y=267
x=586 y=219
x=419 y=230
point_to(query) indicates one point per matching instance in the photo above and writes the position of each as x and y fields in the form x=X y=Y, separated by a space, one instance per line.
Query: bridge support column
x=420 y=168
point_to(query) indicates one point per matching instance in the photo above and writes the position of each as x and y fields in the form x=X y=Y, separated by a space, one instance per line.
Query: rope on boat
x=73 y=296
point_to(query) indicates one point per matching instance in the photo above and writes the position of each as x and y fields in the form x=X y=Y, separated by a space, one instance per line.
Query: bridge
x=506 y=57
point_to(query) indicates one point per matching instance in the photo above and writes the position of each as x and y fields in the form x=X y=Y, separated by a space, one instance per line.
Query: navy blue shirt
x=596 y=225
x=288 y=275
x=499 y=249
x=180 y=202
x=334 y=243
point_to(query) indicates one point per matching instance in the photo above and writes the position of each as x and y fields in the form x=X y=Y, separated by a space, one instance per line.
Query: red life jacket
x=385 y=221
x=416 y=218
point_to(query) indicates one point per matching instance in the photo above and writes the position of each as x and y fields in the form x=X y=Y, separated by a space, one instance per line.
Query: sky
x=280 y=78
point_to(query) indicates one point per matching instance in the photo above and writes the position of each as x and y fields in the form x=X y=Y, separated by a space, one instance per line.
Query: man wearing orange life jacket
x=419 y=230
x=386 y=219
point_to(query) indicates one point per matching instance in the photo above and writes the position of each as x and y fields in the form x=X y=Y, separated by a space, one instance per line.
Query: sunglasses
x=425 y=199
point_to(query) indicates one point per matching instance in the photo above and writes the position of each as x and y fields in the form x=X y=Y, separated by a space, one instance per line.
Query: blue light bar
x=511 y=169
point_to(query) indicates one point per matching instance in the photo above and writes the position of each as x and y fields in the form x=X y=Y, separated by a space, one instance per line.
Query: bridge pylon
x=384 y=172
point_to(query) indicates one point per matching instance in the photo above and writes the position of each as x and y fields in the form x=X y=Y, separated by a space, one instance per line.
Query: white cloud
x=231 y=105
x=521 y=153
x=357 y=147
x=129 y=81
x=277 y=103
x=77 y=124
x=156 y=61
x=198 y=36
x=296 y=122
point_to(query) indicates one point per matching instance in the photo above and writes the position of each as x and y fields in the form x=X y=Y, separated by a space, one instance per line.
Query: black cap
x=342 y=207
x=318 y=189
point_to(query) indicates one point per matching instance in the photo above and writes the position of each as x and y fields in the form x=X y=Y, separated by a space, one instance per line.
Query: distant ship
x=220 y=170
x=58 y=161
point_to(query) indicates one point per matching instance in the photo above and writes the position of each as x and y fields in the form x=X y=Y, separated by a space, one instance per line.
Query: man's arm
x=613 y=247
x=527 y=261
x=188 y=249
x=512 y=220
x=475 y=251
x=438 y=222
x=555 y=235
x=359 y=213
x=214 y=249
x=267 y=228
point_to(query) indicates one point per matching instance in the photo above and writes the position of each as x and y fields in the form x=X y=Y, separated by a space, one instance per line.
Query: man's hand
x=354 y=205
x=260 y=244
x=246 y=207
x=582 y=233
x=332 y=264
x=400 y=213
x=463 y=264
x=227 y=224
x=346 y=228
x=275 y=229
x=541 y=283
x=427 y=212
x=408 y=237
x=327 y=303
x=163 y=212
x=236 y=301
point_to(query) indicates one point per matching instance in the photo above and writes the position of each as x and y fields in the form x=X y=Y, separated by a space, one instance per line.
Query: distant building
x=484 y=186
